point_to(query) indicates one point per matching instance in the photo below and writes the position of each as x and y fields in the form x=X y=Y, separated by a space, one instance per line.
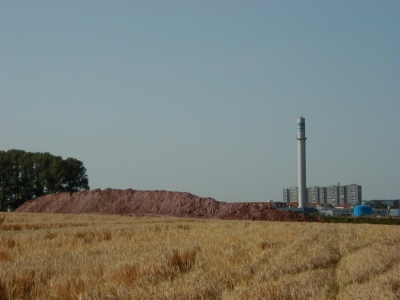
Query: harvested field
x=66 y=256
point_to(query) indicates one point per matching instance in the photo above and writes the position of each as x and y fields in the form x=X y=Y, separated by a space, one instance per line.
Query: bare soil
x=156 y=203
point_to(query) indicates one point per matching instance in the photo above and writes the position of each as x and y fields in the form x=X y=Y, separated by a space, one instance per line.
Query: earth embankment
x=156 y=203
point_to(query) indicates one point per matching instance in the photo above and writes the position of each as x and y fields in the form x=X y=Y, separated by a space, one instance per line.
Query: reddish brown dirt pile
x=156 y=203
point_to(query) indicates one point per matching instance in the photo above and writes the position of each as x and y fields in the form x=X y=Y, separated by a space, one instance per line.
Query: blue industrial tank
x=363 y=210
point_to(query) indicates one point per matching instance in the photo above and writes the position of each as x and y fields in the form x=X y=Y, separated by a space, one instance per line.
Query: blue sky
x=204 y=96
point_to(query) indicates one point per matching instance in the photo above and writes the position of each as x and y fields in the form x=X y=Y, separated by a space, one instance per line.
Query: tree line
x=27 y=175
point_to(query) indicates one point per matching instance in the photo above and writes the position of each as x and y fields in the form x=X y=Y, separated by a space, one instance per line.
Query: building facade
x=294 y=194
x=322 y=194
x=291 y=194
x=342 y=194
x=332 y=194
x=313 y=194
x=353 y=194
x=286 y=195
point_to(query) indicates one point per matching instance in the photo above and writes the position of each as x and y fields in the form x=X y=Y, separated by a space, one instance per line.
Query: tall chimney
x=301 y=154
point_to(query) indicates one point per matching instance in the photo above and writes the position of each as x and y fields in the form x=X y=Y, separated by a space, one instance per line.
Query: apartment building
x=331 y=194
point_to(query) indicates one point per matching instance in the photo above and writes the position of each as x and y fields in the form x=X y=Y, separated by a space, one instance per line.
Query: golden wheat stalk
x=47 y=256
x=2 y=219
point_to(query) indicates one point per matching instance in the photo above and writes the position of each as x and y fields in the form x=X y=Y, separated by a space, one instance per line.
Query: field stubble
x=59 y=256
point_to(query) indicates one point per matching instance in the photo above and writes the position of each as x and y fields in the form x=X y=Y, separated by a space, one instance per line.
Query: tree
x=73 y=175
x=26 y=175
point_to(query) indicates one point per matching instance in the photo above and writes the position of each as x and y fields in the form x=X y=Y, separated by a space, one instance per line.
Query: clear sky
x=204 y=96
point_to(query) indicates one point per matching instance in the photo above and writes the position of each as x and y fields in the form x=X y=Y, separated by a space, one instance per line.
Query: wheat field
x=61 y=256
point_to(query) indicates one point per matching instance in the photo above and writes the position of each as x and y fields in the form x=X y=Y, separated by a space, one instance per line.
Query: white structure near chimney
x=301 y=154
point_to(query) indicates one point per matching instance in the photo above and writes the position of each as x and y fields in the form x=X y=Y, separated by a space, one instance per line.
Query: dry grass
x=44 y=256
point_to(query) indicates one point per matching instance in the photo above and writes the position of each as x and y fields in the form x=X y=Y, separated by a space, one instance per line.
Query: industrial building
x=332 y=194
x=301 y=164
x=299 y=194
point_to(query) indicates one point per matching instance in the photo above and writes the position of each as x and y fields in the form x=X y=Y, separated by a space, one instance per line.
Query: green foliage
x=26 y=175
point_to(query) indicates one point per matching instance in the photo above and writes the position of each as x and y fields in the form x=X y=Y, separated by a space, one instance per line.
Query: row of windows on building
x=332 y=194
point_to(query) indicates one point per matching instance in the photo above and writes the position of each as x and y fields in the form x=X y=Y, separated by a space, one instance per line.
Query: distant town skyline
x=330 y=194
x=203 y=97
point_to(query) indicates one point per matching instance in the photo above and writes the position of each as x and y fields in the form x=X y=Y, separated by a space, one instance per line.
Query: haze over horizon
x=203 y=97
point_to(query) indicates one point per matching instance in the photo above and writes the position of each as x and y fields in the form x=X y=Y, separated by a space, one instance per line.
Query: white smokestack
x=301 y=153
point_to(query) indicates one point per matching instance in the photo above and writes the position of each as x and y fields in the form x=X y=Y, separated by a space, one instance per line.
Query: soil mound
x=156 y=203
